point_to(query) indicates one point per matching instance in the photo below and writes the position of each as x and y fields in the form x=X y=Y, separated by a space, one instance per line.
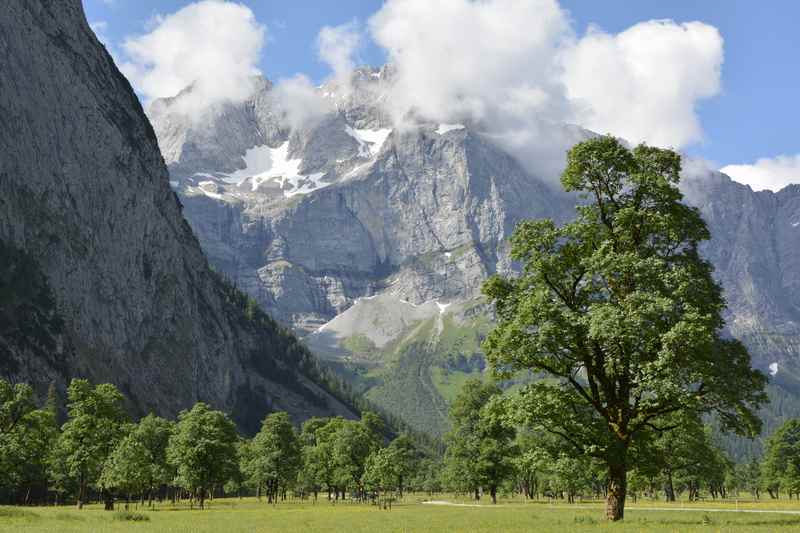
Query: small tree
x=752 y=478
x=404 y=458
x=126 y=469
x=24 y=451
x=317 y=438
x=138 y=464
x=202 y=450
x=480 y=446
x=352 y=442
x=274 y=456
x=781 y=466
x=620 y=309
x=96 y=418
x=685 y=450
x=380 y=472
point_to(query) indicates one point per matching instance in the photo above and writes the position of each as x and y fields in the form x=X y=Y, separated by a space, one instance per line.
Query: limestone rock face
x=311 y=218
x=84 y=191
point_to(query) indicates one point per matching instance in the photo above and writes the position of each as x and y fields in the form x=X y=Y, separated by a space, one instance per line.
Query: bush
x=128 y=516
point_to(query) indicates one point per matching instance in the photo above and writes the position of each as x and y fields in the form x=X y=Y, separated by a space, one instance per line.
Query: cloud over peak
x=767 y=173
x=518 y=68
x=212 y=44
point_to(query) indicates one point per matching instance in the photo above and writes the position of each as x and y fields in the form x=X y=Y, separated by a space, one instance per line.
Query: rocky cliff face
x=314 y=221
x=85 y=197
x=309 y=219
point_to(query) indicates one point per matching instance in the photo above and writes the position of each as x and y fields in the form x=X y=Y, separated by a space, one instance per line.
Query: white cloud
x=212 y=44
x=298 y=102
x=337 y=46
x=489 y=64
x=517 y=69
x=768 y=173
x=459 y=59
x=643 y=84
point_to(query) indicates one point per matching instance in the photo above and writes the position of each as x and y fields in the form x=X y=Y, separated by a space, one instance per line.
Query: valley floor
x=251 y=516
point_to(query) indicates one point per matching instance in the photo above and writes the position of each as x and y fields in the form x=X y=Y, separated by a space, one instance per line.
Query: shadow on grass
x=11 y=513
x=68 y=517
x=706 y=520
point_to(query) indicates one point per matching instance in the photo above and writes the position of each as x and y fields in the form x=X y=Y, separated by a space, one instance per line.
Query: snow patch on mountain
x=266 y=164
x=369 y=141
x=444 y=128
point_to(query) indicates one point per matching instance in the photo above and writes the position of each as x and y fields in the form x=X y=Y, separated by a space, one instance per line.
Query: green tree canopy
x=24 y=451
x=481 y=445
x=16 y=400
x=95 y=424
x=389 y=468
x=619 y=307
x=138 y=463
x=202 y=449
x=781 y=466
x=274 y=456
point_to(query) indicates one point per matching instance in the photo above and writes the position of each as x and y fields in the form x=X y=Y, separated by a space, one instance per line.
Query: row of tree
x=97 y=453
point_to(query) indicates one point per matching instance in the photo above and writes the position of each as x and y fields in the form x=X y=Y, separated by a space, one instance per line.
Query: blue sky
x=754 y=115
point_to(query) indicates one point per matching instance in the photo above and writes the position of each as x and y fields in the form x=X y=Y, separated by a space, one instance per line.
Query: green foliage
x=139 y=461
x=781 y=467
x=390 y=468
x=26 y=437
x=129 y=516
x=202 y=449
x=96 y=418
x=335 y=452
x=680 y=455
x=273 y=457
x=480 y=446
x=620 y=308
x=15 y=402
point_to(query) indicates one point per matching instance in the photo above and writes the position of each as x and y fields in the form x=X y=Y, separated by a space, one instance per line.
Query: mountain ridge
x=424 y=217
x=84 y=195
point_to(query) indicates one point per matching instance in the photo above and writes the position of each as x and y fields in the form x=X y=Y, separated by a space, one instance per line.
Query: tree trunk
x=81 y=490
x=617 y=487
x=670 y=488
x=108 y=500
x=493 y=491
x=477 y=494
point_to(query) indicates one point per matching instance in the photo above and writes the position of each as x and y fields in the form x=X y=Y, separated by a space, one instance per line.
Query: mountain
x=101 y=275
x=372 y=240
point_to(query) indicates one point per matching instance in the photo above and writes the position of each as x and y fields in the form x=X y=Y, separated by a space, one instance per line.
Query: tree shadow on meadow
x=709 y=521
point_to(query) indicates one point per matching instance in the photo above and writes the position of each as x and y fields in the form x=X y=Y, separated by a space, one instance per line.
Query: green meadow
x=251 y=516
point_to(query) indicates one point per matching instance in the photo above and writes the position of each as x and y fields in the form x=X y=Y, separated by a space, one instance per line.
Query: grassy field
x=248 y=515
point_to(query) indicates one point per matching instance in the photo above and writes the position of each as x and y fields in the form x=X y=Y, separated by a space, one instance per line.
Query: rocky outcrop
x=85 y=194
